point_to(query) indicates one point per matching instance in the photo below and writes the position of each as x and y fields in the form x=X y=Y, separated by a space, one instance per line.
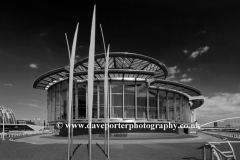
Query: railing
x=226 y=134
x=215 y=153
x=21 y=133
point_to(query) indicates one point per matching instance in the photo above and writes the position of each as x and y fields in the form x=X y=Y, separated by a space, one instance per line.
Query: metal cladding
x=122 y=66
x=9 y=117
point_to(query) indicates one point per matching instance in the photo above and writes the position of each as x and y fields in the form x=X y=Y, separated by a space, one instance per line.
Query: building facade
x=8 y=115
x=138 y=92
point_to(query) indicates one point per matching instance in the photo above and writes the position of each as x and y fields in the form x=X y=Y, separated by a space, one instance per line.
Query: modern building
x=138 y=93
x=8 y=115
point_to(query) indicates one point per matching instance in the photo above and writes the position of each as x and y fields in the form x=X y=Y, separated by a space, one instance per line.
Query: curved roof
x=50 y=78
x=125 y=60
x=177 y=86
x=121 y=65
x=196 y=103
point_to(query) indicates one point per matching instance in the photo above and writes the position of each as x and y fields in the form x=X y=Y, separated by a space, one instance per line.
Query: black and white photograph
x=120 y=80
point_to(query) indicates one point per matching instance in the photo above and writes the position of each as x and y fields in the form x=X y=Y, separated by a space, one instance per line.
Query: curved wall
x=128 y=101
x=9 y=117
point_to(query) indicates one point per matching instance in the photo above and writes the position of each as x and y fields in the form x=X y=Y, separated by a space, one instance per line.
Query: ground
x=12 y=150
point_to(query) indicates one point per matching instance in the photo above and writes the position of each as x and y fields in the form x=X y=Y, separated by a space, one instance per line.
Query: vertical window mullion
x=181 y=116
x=123 y=87
x=60 y=100
x=76 y=101
x=87 y=102
x=135 y=91
x=167 y=105
x=98 y=101
x=110 y=105
x=147 y=102
x=174 y=113
x=158 y=113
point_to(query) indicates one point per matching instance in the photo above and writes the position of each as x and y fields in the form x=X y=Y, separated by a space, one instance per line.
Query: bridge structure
x=232 y=123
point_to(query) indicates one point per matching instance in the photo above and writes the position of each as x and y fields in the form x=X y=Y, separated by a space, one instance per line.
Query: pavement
x=46 y=139
x=42 y=148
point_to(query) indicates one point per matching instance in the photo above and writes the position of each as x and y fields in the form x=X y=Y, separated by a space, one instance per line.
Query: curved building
x=9 y=117
x=138 y=93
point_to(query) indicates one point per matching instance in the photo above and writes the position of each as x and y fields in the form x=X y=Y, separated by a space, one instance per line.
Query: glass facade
x=127 y=100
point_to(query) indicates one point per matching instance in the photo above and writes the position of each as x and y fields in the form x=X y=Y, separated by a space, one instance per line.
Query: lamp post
x=3 y=112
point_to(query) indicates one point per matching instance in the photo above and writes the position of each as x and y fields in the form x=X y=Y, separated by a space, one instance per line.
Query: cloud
x=8 y=84
x=201 y=32
x=30 y=104
x=33 y=65
x=32 y=100
x=200 y=51
x=184 y=75
x=186 y=80
x=219 y=106
x=172 y=72
x=43 y=34
x=185 y=51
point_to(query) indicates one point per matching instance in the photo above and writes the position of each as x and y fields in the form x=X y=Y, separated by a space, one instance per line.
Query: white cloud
x=219 y=106
x=200 y=51
x=189 y=69
x=186 y=80
x=30 y=104
x=8 y=84
x=184 y=75
x=172 y=72
x=185 y=51
x=33 y=65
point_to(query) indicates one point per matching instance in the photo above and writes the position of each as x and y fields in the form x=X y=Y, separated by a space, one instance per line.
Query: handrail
x=222 y=154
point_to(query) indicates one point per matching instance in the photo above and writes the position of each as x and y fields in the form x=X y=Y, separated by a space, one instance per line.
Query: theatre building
x=138 y=93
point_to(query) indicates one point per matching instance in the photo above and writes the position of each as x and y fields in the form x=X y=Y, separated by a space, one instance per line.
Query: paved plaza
x=56 y=149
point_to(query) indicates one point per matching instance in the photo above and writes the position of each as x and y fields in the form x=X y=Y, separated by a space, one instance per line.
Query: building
x=9 y=117
x=138 y=93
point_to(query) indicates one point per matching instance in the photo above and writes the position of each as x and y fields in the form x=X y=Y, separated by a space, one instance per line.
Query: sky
x=199 y=42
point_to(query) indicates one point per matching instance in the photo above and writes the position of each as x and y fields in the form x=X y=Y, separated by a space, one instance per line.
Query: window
x=116 y=100
x=171 y=105
x=81 y=101
x=64 y=101
x=58 y=101
x=129 y=100
x=141 y=100
x=177 y=101
x=162 y=105
x=53 y=96
x=153 y=111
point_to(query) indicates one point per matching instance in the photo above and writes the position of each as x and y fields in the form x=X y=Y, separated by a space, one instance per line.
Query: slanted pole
x=71 y=87
x=105 y=93
x=90 y=80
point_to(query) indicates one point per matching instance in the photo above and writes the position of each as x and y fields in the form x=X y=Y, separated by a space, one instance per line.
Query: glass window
x=153 y=104
x=171 y=105
x=101 y=101
x=64 y=100
x=95 y=101
x=141 y=100
x=177 y=101
x=116 y=100
x=162 y=105
x=49 y=105
x=81 y=101
x=53 y=103
x=129 y=100
x=183 y=109
x=58 y=101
